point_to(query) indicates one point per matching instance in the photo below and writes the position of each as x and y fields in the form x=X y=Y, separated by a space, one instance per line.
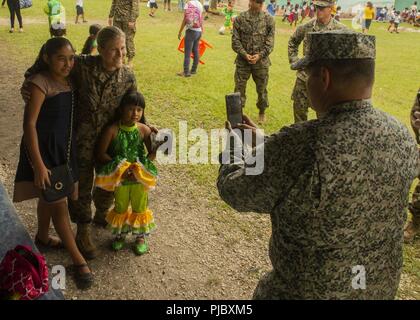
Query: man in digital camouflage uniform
x=336 y=188
x=253 y=41
x=124 y=14
x=413 y=227
x=323 y=21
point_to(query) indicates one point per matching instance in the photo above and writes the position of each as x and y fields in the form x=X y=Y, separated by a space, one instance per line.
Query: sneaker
x=261 y=118
x=182 y=74
x=21 y=30
x=141 y=247
x=193 y=72
x=11 y=30
x=118 y=244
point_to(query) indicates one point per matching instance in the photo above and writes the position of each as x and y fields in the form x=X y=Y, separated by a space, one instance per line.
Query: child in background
x=294 y=15
x=153 y=7
x=287 y=11
x=397 y=21
x=80 y=11
x=91 y=46
x=272 y=8
x=181 y=5
x=56 y=18
x=46 y=144
x=127 y=170
x=391 y=19
x=338 y=14
x=167 y=5
x=228 y=13
x=206 y=6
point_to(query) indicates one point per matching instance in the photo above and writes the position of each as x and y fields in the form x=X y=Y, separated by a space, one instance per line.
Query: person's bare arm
x=181 y=28
x=30 y=135
x=107 y=136
x=146 y=132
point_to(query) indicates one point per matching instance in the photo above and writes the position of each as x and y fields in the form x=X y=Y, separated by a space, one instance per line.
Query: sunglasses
x=320 y=8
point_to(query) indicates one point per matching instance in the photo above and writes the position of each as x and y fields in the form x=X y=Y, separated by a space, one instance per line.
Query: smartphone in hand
x=234 y=108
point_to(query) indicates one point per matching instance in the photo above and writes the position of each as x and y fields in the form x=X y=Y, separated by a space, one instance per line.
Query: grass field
x=200 y=99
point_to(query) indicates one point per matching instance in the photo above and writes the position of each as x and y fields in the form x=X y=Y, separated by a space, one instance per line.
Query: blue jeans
x=181 y=5
x=192 y=39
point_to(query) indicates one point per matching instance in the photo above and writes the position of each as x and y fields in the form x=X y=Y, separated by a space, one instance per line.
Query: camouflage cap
x=324 y=3
x=336 y=44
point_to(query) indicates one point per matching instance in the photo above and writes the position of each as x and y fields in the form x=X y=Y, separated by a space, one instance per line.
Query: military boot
x=84 y=241
x=412 y=229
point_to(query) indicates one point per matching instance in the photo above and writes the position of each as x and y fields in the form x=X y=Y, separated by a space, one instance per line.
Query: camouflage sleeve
x=133 y=83
x=112 y=11
x=269 y=40
x=294 y=42
x=416 y=107
x=236 y=39
x=134 y=12
x=260 y=193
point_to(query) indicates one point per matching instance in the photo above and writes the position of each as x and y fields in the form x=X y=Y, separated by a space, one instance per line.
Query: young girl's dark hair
x=93 y=32
x=131 y=98
x=49 y=48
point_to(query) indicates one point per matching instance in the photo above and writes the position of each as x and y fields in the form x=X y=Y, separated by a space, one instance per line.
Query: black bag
x=62 y=184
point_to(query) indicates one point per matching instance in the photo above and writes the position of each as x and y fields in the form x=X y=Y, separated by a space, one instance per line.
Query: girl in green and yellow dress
x=128 y=171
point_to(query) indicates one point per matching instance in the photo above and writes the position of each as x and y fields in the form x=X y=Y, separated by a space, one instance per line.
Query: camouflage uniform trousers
x=260 y=77
x=301 y=101
x=81 y=210
x=129 y=37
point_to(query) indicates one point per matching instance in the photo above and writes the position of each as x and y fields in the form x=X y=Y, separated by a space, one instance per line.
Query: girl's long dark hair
x=50 y=48
x=131 y=98
x=93 y=31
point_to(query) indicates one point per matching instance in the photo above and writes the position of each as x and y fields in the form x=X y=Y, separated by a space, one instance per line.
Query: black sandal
x=83 y=280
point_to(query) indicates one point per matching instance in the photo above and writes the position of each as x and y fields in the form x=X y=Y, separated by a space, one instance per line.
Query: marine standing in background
x=323 y=21
x=124 y=14
x=253 y=41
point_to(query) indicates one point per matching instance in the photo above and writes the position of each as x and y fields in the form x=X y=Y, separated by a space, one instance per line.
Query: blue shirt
x=271 y=8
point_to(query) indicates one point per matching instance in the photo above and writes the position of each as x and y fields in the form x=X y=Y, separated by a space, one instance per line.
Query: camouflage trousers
x=301 y=101
x=129 y=37
x=414 y=206
x=81 y=209
x=260 y=77
x=383 y=286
